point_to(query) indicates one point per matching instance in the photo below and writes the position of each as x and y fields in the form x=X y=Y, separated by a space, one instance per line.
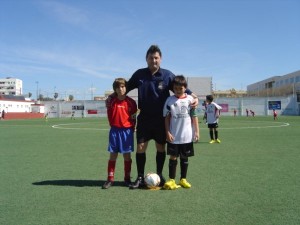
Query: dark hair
x=209 y=98
x=118 y=82
x=153 y=49
x=179 y=80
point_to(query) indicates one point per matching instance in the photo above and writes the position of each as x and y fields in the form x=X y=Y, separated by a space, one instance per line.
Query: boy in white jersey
x=212 y=117
x=181 y=123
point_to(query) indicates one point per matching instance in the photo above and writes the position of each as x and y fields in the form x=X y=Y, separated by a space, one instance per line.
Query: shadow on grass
x=76 y=183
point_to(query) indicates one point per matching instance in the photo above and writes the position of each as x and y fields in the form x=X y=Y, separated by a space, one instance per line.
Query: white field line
x=279 y=124
x=62 y=126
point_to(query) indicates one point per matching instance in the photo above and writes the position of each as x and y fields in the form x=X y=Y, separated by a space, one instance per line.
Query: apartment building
x=11 y=86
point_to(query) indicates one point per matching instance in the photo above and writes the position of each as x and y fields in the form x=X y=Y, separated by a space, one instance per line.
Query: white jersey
x=212 y=112
x=180 y=122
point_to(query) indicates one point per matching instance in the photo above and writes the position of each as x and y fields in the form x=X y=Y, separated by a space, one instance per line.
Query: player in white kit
x=212 y=117
x=181 y=123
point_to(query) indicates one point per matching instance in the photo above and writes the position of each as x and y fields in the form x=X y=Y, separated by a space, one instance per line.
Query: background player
x=213 y=114
x=275 y=114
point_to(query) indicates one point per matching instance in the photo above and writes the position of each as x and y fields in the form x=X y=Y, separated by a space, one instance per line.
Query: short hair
x=179 y=80
x=118 y=82
x=153 y=49
x=209 y=98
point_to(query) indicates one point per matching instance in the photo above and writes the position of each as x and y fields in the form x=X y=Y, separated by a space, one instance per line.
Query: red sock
x=127 y=169
x=111 y=170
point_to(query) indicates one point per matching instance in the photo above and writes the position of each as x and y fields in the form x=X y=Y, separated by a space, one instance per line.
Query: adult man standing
x=153 y=84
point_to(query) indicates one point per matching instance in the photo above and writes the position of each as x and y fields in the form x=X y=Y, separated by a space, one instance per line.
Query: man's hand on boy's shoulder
x=108 y=100
x=195 y=102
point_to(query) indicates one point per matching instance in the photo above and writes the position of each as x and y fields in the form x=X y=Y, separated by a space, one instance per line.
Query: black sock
x=211 y=133
x=160 y=161
x=172 y=168
x=184 y=164
x=216 y=134
x=140 y=163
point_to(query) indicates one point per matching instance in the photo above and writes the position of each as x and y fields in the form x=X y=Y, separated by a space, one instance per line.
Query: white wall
x=289 y=106
x=15 y=106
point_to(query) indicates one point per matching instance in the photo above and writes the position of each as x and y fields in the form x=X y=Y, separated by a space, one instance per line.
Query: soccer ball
x=152 y=180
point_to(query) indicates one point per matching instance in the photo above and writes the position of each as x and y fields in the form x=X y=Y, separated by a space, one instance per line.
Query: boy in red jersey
x=121 y=116
x=275 y=114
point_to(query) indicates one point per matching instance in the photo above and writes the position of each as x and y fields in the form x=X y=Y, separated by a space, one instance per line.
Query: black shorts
x=184 y=150
x=150 y=128
x=213 y=125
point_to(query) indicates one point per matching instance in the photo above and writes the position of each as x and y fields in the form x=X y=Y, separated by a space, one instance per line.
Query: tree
x=71 y=97
x=29 y=94
x=41 y=97
x=55 y=95
x=47 y=99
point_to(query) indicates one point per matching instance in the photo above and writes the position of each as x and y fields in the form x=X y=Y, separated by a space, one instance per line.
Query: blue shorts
x=121 y=140
x=150 y=128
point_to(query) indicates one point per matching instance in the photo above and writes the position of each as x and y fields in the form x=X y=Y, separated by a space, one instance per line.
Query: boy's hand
x=170 y=137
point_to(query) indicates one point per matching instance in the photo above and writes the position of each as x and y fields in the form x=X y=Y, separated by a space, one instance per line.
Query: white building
x=11 y=86
x=15 y=104
x=276 y=85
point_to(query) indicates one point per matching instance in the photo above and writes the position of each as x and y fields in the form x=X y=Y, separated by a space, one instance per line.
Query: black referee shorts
x=150 y=128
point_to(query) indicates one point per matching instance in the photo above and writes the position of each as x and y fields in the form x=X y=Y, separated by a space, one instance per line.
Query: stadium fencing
x=262 y=106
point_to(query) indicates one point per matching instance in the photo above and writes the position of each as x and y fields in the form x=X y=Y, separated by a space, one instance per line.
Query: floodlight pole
x=37 y=90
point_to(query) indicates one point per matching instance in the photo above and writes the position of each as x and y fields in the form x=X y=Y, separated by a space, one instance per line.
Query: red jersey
x=120 y=112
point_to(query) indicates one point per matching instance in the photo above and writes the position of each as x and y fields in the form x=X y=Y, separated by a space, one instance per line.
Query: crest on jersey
x=160 y=85
x=183 y=109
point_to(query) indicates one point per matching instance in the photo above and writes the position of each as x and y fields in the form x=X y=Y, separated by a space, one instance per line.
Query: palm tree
x=55 y=95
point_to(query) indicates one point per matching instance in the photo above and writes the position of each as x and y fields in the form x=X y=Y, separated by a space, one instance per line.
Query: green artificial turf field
x=52 y=173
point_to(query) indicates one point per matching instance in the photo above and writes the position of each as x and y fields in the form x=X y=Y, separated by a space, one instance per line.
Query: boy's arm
x=196 y=128
x=133 y=110
x=195 y=124
x=169 y=136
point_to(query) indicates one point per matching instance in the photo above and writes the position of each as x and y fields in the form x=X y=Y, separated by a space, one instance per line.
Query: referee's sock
x=160 y=161
x=140 y=163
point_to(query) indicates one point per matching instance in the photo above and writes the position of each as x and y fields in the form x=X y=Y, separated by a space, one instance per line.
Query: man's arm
x=196 y=100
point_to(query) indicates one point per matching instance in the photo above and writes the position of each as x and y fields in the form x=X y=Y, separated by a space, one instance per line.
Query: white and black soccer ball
x=152 y=180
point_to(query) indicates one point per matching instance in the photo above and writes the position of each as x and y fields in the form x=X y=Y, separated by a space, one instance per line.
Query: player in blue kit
x=153 y=84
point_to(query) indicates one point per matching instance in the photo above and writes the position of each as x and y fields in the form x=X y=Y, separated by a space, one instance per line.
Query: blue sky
x=78 y=47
